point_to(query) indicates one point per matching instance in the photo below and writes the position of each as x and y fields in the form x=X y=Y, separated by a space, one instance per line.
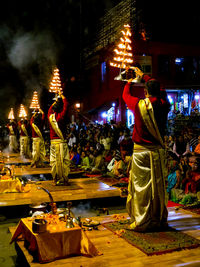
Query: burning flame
x=55 y=85
x=123 y=56
x=35 y=101
x=11 y=114
x=22 y=112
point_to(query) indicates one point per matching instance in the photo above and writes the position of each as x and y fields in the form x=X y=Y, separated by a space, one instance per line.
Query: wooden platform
x=87 y=188
x=14 y=158
x=119 y=253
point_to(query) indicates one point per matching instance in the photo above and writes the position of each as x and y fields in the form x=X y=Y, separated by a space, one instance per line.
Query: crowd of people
x=183 y=151
x=95 y=148
x=113 y=150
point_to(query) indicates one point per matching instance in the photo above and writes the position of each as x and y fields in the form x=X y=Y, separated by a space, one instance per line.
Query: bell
x=69 y=222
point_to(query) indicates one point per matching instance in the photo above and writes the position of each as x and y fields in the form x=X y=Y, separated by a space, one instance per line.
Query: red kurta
x=160 y=107
x=60 y=118
x=34 y=134
x=14 y=126
x=27 y=126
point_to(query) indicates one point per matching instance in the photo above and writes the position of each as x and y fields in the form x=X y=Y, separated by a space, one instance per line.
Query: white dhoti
x=147 y=198
x=24 y=146
x=38 y=151
x=13 y=144
x=59 y=160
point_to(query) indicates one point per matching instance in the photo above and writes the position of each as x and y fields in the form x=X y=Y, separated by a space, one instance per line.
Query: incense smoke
x=31 y=58
x=34 y=55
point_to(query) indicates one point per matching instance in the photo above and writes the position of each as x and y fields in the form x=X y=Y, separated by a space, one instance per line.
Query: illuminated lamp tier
x=11 y=114
x=55 y=85
x=123 y=57
x=35 y=101
x=22 y=112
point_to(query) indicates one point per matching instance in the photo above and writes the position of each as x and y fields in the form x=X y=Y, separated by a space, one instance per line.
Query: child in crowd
x=85 y=162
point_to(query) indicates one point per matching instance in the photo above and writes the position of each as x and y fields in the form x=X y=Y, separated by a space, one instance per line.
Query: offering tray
x=90 y=223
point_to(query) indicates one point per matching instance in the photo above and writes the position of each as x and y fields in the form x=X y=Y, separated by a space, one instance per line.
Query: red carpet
x=173 y=204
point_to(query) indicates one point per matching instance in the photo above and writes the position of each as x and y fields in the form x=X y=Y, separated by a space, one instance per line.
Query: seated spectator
x=76 y=160
x=72 y=140
x=180 y=147
x=106 y=142
x=191 y=183
x=85 y=162
x=98 y=163
x=117 y=167
x=91 y=158
x=184 y=165
x=108 y=157
x=126 y=146
x=174 y=176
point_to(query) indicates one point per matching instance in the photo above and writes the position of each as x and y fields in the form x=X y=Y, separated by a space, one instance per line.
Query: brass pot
x=39 y=226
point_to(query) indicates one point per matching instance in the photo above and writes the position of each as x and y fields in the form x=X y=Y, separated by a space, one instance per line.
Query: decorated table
x=56 y=242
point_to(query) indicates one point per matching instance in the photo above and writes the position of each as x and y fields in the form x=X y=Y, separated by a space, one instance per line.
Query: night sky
x=36 y=36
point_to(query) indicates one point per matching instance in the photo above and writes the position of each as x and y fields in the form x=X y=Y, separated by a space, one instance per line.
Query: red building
x=175 y=65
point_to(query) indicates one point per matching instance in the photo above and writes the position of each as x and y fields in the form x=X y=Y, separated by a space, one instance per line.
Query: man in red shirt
x=146 y=201
x=38 y=146
x=59 y=153
x=24 y=129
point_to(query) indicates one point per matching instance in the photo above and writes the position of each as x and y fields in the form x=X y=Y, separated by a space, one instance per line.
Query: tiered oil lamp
x=11 y=114
x=123 y=58
x=22 y=112
x=35 y=102
x=55 y=85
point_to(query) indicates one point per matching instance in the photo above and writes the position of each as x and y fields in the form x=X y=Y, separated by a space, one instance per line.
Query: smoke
x=29 y=59
x=33 y=55
x=83 y=209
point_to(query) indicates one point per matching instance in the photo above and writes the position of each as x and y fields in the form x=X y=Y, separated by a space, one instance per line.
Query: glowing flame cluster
x=35 y=101
x=123 y=55
x=55 y=85
x=22 y=112
x=11 y=114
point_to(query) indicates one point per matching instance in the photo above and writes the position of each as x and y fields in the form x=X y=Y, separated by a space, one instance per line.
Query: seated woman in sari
x=174 y=176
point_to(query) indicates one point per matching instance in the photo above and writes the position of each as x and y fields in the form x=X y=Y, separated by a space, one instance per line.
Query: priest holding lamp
x=24 y=129
x=12 y=127
x=59 y=153
x=146 y=201
x=37 y=124
x=38 y=146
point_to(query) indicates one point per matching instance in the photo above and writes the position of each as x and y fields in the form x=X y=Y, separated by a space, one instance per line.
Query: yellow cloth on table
x=57 y=242
x=13 y=186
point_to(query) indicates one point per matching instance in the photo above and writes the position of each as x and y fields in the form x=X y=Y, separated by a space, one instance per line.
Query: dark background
x=36 y=36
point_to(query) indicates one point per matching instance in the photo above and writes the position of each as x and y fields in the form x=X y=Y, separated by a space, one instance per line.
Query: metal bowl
x=39 y=226
x=38 y=207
